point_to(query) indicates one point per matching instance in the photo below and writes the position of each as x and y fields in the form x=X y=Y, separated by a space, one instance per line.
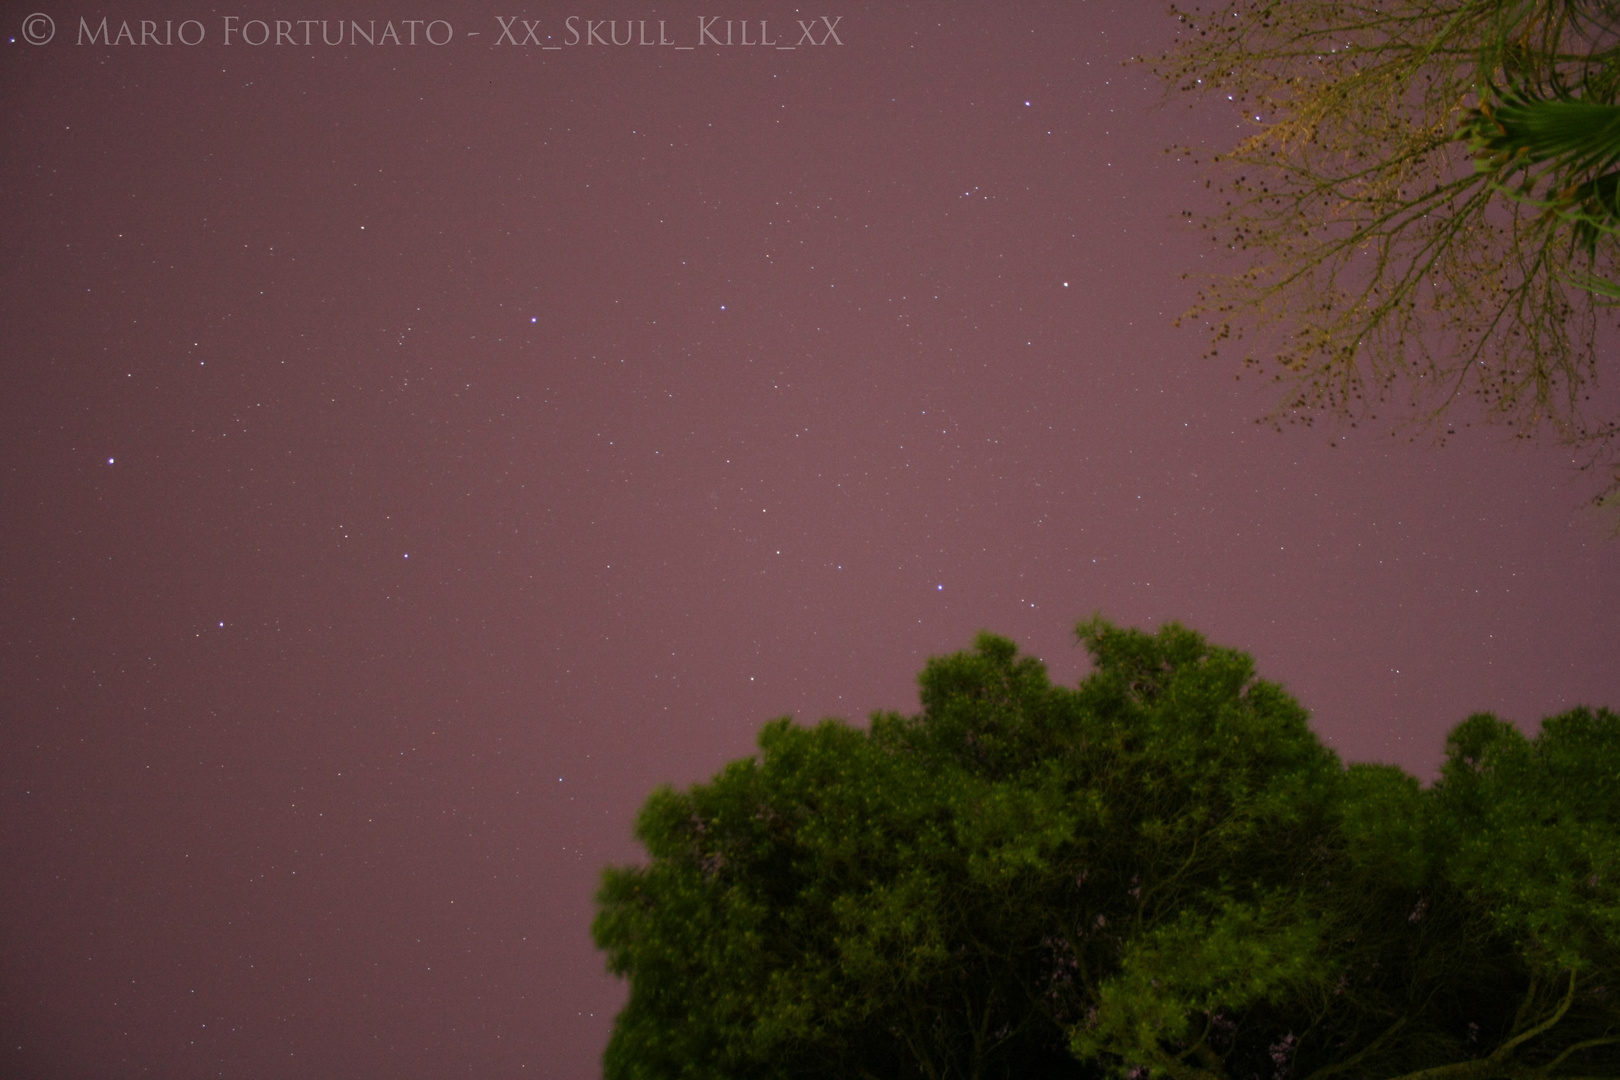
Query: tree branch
x=1507 y=1048
x=1553 y=1064
x=1356 y=1058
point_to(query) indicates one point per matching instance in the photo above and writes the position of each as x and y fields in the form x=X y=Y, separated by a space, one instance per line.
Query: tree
x=814 y=912
x=1473 y=935
x=1428 y=205
x=1162 y=872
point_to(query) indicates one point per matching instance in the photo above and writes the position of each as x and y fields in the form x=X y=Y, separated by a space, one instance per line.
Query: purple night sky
x=412 y=455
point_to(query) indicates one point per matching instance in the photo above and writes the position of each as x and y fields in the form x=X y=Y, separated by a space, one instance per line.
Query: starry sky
x=411 y=455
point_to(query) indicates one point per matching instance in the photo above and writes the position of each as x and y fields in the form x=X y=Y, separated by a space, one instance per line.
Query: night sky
x=410 y=456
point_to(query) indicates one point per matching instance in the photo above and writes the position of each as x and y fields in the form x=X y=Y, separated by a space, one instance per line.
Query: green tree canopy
x=1427 y=208
x=1162 y=872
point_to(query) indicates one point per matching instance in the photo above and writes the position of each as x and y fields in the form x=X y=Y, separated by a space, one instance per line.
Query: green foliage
x=1174 y=977
x=1381 y=813
x=1534 y=830
x=1161 y=871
